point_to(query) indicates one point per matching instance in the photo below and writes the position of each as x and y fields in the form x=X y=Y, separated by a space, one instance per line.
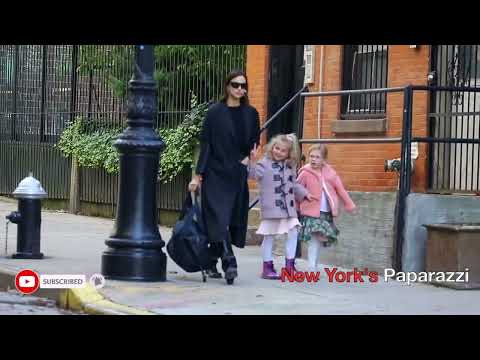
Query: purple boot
x=269 y=271
x=290 y=266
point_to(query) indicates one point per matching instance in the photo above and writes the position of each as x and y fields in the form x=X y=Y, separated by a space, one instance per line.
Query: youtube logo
x=27 y=281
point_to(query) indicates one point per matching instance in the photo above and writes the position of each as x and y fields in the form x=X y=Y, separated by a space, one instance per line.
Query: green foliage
x=180 y=71
x=92 y=146
x=181 y=142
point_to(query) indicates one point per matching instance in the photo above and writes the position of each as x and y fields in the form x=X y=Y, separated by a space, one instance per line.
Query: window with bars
x=364 y=67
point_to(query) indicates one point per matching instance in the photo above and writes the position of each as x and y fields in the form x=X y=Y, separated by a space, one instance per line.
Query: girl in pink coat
x=317 y=216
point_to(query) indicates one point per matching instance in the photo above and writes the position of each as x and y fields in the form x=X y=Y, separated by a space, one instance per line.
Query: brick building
x=277 y=72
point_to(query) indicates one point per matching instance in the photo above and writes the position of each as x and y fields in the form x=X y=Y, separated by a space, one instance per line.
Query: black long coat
x=224 y=190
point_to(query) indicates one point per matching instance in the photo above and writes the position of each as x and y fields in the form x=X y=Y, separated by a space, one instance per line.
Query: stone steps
x=252 y=238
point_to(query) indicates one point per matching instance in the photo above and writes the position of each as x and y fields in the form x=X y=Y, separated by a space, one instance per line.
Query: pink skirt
x=277 y=226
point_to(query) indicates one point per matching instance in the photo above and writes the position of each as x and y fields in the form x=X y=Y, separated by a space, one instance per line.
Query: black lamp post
x=135 y=245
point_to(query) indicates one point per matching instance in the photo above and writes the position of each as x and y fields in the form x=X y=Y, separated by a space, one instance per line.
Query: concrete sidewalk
x=74 y=245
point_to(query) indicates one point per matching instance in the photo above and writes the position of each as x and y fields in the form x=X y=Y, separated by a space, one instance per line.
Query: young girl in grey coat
x=276 y=177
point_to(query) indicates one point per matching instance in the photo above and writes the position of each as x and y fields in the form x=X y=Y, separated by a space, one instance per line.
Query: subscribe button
x=28 y=281
x=62 y=281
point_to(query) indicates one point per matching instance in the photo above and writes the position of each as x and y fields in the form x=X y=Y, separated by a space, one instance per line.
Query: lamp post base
x=137 y=265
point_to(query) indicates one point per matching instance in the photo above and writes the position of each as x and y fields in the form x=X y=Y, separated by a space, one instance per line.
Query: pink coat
x=314 y=182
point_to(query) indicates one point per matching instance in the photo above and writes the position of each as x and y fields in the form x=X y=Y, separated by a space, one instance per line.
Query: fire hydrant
x=28 y=218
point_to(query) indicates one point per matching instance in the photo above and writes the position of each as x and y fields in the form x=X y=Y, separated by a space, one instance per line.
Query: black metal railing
x=470 y=138
x=453 y=130
x=454 y=114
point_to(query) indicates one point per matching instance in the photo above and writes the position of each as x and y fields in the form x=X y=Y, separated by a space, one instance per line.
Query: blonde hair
x=291 y=141
x=322 y=148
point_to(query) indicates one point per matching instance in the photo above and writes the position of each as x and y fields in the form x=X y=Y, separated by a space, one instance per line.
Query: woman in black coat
x=230 y=131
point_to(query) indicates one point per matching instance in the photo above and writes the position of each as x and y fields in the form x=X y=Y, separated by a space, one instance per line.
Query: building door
x=455 y=167
x=286 y=77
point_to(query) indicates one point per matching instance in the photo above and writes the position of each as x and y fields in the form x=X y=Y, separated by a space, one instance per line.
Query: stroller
x=188 y=246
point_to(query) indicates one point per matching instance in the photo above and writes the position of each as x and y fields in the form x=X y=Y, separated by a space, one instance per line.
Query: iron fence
x=468 y=137
x=455 y=113
x=43 y=88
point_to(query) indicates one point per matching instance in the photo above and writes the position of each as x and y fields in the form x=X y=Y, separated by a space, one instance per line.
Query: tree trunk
x=74 y=207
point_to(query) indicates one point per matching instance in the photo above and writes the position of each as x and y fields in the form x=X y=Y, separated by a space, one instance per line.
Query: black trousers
x=223 y=250
x=225 y=210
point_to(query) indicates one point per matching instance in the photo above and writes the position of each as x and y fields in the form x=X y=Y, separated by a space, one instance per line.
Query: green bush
x=181 y=143
x=93 y=146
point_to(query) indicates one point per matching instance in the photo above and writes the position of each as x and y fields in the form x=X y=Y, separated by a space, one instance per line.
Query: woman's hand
x=195 y=183
x=310 y=197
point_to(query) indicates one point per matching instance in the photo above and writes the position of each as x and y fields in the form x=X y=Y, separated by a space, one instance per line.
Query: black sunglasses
x=236 y=85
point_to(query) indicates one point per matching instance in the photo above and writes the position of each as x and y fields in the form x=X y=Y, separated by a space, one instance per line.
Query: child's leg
x=267 y=247
x=313 y=247
x=291 y=244
x=267 y=250
x=320 y=240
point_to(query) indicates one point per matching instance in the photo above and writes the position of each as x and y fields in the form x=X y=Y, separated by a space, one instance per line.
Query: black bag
x=188 y=246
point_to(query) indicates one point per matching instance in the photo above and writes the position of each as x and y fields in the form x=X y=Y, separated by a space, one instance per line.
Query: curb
x=90 y=301
x=87 y=299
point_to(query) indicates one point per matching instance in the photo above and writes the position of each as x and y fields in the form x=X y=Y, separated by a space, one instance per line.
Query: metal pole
x=90 y=91
x=73 y=84
x=408 y=150
x=434 y=140
x=287 y=104
x=15 y=93
x=349 y=92
x=135 y=246
x=404 y=181
x=43 y=98
x=352 y=141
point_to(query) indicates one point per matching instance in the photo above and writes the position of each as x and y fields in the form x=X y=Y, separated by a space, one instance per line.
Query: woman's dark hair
x=233 y=74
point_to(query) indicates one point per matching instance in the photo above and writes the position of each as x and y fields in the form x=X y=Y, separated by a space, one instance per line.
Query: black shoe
x=230 y=275
x=213 y=273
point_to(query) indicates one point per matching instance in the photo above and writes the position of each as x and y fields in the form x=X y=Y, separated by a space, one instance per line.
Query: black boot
x=215 y=250
x=213 y=272
x=229 y=262
x=230 y=275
